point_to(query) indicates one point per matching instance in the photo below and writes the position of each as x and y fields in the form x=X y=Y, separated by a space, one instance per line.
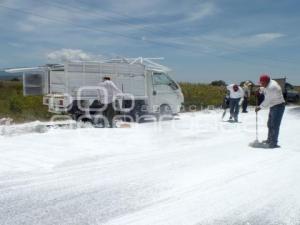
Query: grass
x=21 y=109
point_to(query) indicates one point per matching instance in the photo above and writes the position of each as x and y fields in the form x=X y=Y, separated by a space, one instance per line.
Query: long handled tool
x=225 y=106
x=256 y=143
x=256 y=126
x=224 y=113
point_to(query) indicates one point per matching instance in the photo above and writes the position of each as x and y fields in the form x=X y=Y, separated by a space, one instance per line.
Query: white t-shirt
x=107 y=97
x=235 y=94
x=273 y=95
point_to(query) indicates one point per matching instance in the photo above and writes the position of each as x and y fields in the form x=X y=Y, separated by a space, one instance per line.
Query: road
x=190 y=171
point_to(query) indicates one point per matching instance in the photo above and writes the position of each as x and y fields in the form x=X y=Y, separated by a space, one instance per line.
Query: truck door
x=35 y=82
x=164 y=92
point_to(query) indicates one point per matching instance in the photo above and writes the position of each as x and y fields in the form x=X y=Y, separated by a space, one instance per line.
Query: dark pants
x=260 y=98
x=274 y=121
x=225 y=104
x=245 y=104
x=109 y=113
x=234 y=108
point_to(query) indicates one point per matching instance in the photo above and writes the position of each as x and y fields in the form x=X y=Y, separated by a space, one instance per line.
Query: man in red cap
x=235 y=100
x=273 y=99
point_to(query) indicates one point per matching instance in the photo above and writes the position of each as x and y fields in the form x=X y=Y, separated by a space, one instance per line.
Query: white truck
x=71 y=87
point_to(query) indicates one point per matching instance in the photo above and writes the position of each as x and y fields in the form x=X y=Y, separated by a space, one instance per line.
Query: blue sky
x=201 y=41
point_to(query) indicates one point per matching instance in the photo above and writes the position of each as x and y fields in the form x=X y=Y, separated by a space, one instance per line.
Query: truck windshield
x=289 y=86
x=163 y=79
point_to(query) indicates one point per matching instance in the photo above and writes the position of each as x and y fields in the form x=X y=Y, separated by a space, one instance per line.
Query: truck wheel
x=85 y=122
x=296 y=99
x=165 y=112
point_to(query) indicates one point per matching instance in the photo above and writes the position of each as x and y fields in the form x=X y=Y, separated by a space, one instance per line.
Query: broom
x=256 y=142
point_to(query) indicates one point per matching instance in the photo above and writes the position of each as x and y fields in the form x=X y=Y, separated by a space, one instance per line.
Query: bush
x=202 y=95
x=218 y=83
x=15 y=79
x=15 y=104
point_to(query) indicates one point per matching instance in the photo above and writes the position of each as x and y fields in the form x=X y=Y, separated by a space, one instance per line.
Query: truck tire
x=165 y=112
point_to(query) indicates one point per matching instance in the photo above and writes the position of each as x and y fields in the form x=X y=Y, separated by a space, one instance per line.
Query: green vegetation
x=14 y=105
x=202 y=95
x=218 y=83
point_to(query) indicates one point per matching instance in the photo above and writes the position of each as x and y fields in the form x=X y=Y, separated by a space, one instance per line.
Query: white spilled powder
x=194 y=170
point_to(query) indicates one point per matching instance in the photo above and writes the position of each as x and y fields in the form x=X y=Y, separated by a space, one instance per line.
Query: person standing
x=246 y=89
x=108 y=92
x=235 y=98
x=273 y=99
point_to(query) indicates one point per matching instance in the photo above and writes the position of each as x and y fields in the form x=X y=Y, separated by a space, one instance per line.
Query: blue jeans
x=274 y=121
x=234 y=108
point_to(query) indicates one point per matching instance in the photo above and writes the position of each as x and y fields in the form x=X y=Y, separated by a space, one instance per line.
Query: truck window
x=163 y=79
x=35 y=83
x=289 y=86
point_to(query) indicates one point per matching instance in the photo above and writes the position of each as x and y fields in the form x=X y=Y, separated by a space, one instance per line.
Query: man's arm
x=115 y=88
x=266 y=102
x=229 y=87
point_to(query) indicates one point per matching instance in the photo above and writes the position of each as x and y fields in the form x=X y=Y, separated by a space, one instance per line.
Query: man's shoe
x=266 y=142
x=274 y=146
x=269 y=146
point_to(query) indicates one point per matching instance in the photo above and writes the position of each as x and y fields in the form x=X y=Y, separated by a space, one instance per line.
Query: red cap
x=264 y=78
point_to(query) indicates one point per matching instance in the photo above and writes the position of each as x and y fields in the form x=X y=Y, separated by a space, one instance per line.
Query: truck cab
x=291 y=94
x=165 y=93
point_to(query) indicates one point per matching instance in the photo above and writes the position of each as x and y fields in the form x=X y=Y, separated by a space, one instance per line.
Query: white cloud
x=266 y=37
x=136 y=8
x=69 y=55
x=25 y=27
x=83 y=27
x=250 y=41
x=219 y=44
x=15 y=44
x=202 y=11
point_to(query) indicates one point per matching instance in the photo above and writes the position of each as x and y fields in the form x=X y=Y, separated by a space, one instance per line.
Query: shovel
x=256 y=142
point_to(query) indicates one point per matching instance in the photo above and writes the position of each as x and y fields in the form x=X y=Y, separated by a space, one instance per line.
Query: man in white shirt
x=108 y=93
x=235 y=99
x=273 y=99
